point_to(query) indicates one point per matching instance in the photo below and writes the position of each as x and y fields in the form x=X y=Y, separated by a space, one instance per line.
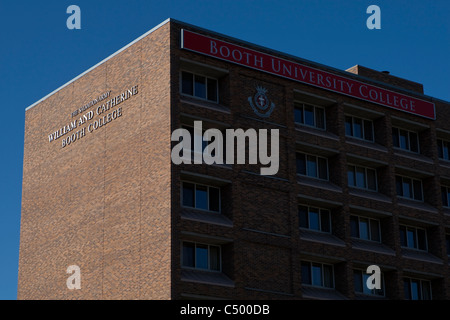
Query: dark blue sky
x=38 y=54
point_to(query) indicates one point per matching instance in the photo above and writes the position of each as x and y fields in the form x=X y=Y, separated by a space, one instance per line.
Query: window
x=199 y=86
x=359 y=128
x=312 y=166
x=409 y=188
x=205 y=143
x=201 y=196
x=195 y=136
x=406 y=140
x=360 y=283
x=317 y=274
x=445 y=193
x=443 y=149
x=201 y=256
x=365 y=228
x=416 y=289
x=414 y=238
x=314 y=218
x=447 y=243
x=309 y=115
x=360 y=177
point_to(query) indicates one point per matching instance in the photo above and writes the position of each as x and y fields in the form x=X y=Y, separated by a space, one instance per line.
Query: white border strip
x=101 y=62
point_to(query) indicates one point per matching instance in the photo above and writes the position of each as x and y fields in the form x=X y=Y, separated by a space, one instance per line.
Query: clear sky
x=38 y=54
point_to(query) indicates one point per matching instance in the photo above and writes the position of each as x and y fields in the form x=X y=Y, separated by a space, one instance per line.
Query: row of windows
x=416 y=289
x=363 y=129
x=317 y=167
x=208 y=198
x=363 y=178
x=207 y=257
x=356 y=127
x=207 y=88
x=358 y=176
x=318 y=219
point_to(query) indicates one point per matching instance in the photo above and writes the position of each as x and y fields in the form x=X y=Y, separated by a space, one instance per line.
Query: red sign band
x=284 y=68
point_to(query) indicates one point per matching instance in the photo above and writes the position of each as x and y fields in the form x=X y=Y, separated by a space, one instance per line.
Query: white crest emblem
x=260 y=103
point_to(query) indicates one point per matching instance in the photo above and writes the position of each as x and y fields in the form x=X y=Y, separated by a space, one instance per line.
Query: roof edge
x=101 y=62
x=316 y=64
x=290 y=56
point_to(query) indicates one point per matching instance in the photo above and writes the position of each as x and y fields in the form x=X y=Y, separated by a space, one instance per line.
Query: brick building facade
x=359 y=183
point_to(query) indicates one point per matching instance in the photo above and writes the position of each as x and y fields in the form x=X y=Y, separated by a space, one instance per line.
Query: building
x=363 y=179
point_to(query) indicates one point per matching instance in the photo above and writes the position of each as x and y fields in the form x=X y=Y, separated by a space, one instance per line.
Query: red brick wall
x=264 y=210
x=103 y=202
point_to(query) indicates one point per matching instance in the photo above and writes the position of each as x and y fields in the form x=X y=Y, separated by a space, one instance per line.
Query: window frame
x=333 y=287
x=195 y=260
x=193 y=83
x=363 y=281
x=362 y=128
x=447 y=194
x=369 y=228
x=412 y=185
x=416 y=237
x=440 y=146
x=320 y=219
x=191 y=128
x=420 y=281
x=447 y=243
x=205 y=143
x=317 y=166
x=195 y=198
x=297 y=102
x=365 y=177
x=409 y=140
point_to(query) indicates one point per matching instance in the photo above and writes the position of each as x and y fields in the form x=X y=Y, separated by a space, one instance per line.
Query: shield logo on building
x=260 y=103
